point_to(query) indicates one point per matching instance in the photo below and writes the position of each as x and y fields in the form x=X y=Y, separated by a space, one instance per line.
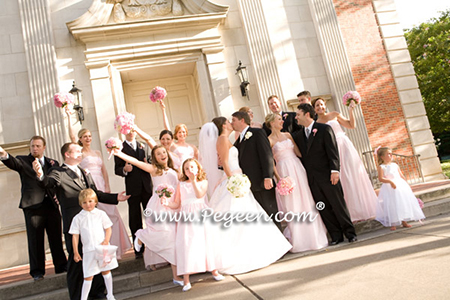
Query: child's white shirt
x=90 y=225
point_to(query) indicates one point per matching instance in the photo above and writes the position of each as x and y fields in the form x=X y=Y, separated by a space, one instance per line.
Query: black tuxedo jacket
x=320 y=153
x=137 y=180
x=33 y=194
x=255 y=157
x=68 y=185
x=290 y=124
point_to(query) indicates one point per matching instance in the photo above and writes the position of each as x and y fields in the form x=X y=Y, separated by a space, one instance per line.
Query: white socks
x=85 y=289
x=109 y=285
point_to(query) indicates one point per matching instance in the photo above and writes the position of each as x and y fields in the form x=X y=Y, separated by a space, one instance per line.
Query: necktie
x=307 y=132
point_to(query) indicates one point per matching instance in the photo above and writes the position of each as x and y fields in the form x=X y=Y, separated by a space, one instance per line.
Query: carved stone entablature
x=109 y=19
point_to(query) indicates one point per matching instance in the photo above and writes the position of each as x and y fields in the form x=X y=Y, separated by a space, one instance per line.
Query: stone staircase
x=132 y=280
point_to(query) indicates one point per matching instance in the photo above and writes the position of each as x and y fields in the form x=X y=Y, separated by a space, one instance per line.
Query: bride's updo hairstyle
x=269 y=119
x=80 y=135
x=219 y=122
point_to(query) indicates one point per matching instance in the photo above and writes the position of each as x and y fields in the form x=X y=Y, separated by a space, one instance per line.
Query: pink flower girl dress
x=159 y=237
x=303 y=235
x=196 y=249
x=119 y=236
x=358 y=190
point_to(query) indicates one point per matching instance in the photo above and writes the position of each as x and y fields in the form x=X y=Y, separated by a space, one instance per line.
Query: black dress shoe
x=38 y=277
x=352 y=240
x=98 y=296
x=335 y=242
x=138 y=255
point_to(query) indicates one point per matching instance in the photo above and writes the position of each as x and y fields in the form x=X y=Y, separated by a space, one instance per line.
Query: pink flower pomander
x=351 y=96
x=113 y=143
x=164 y=190
x=157 y=94
x=420 y=202
x=63 y=99
x=285 y=186
x=124 y=122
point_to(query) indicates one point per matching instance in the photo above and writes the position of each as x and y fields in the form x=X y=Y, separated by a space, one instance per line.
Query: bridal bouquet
x=124 y=122
x=157 y=94
x=351 y=96
x=63 y=99
x=238 y=185
x=285 y=186
x=113 y=143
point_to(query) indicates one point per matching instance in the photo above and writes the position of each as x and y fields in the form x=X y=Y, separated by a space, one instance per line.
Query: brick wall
x=374 y=81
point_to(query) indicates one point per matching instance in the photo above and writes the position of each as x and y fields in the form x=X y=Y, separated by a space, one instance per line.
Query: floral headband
x=376 y=150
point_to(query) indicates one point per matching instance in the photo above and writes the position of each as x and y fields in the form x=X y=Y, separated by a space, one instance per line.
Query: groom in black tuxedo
x=40 y=210
x=256 y=161
x=320 y=157
x=137 y=183
x=289 y=124
x=68 y=181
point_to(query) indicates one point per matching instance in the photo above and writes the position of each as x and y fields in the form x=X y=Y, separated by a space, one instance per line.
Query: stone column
x=216 y=68
x=408 y=89
x=338 y=67
x=42 y=73
x=261 y=52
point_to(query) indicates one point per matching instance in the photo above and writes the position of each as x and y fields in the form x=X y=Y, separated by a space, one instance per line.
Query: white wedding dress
x=245 y=246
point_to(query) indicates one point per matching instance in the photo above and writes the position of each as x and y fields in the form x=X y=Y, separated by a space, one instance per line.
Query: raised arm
x=163 y=109
x=135 y=162
x=72 y=135
x=348 y=123
x=146 y=137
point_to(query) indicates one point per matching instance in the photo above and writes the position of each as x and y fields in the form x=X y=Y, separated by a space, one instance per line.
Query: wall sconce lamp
x=76 y=92
x=243 y=77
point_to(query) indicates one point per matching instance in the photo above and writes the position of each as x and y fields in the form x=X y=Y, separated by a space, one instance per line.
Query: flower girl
x=397 y=203
x=94 y=226
x=194 y=244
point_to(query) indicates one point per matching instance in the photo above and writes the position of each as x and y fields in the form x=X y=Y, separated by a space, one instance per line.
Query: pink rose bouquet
x=157 y=94
x=351 y=96
x=164 y=190
x=63 y=99
x=113 y=143
x=285 y=186
x=124 y=122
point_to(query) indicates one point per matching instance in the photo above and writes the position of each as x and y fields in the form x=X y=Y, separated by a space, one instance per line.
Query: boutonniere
x=248 y=135
x=285 y=116
x=140 y=146
x=52 y=162
x=314 y=131
x=86 y=171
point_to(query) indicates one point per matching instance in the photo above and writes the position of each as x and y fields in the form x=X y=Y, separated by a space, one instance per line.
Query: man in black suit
x=68 y=180
x=256 y=161
x=40 y=210
x=137 y=182
x=320 y=157
x=289 y=125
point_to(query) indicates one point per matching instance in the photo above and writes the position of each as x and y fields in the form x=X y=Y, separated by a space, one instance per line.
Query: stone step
x=131 y=279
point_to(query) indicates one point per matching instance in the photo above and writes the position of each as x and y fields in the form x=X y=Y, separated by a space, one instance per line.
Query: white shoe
x=110 y=297
x=178 y=282
x=219 y=277
x=187 y=287
x=136 y=245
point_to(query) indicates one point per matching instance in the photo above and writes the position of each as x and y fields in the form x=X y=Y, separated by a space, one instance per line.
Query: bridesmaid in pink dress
x=358 y=190
x=181 y=148
x=305 y=235
x=158 y=237
x=93 y=162
x=194 y=241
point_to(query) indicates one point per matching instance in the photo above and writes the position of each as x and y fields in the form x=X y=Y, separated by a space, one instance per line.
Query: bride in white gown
x=245 y=246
